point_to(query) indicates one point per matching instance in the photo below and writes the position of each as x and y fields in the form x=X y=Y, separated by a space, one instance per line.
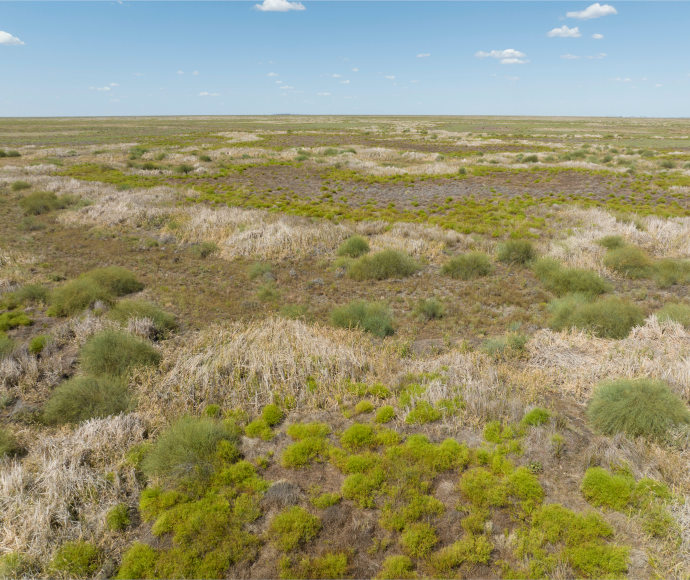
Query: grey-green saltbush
x=608 y=317
x=87 y=397
x=383 y=265
x=468 y=266
x=369 y=316
x=114 y=353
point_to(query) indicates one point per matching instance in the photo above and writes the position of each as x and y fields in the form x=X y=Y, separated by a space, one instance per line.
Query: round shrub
x=561 y=281
x=418 y=539
x=516 y=252
x=77 y=559
x=638 y=408
x=116 y=280
x=293 y=527
x=163 y=322
x=629 y=261
x=369 y=316
x=117 y=517
x=38 y=343
x=383 y=265
x=358 y=436
x=76 y=295
x=608 y=317
x=272 y=414
x=114 y=353
x=396 y=568
x=8 y=444
x=82 y=398
x=139 y=561
x=41 y=202
x=354 y=247
x=468 y=266
x=187 y=449
x=430 y=309
x=675 y=311
x=611 y=242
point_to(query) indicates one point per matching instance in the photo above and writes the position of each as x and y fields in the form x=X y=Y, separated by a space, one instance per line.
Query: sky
x=344 y=57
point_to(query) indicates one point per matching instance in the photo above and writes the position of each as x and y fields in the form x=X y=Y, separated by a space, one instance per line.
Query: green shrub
x=268 y=292
x=272 y=414
x=8 y=444
x=371 y=317
x=187 y=449
x=639 y=408
x=16 y=565
x=561 y=281
x=418 y=539
x=470 y=549
x=163 y=322
x=293 y=527
x=511 y=345
x=259 y=428
x=611 y=242
x=423 y=412
x=468 y=266
x=77 y=559
x=6 y=345
x=608 y=317
x=358 y=436
x=204 y=249
x=117 y=517
x=383 y=265
x=184 y=168
x=116 y=280
x=354 y=247
x=20 y=185
x=536 y=417
x=76 y=295
x=34 y=293
x=115 y=353
x=41 y=202
x=385 y=414
x=328 y=566
x=430 y=309
x=38 y=343
x=259 y=269
x=364 y=407
x=326 y=500
x=396 y=568
x=300 y=431
x=668 y=272
x=304 y=452
x=139 y=562
x=12 y=319
x=516 y=252
x=599 y=560
x=86 y=397
x=675 y=311
x=629 y=261
x=362 y=487
x=605 y=489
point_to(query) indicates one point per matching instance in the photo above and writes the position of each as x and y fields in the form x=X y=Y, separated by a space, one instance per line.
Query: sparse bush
x=468 y=266
x=114 y=353
x=31 y=293
x=20 y=185
x=358 y=436
x=354 y=247
x=16 y=565
x=8 y=444
x=364 y=407
x=326 y=567
x=560 y=280
x=117 y=517
x=272 y=414
x=259 y=428
x=77 y=559
x=304 y=452
x=611 y=242
x=639 y=408
x=418 y=539
x=608 y=317
x=396 y=568
x=259 y=269
x=204 y=249
x=629 y=261
x=187 y=449
x=326 y=500
x=511 y=345
x=40 y=202
x=163 y=322
x=293 y=527
x=76 y=295
x=268 y=292
x=430 y=309
x=516 y=252
x=602 y=488
x=184 y=168
x=423 y=412
x=115 y=279
x=6 y=345
x=371 y=317
x=82 y=398
x=470 y=549
x=668 y=272
x=383 y=265
x=675 y=311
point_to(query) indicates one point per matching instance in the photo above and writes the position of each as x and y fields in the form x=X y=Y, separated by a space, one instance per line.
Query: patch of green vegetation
x=638 y=408
x=669 y=271
x=510 y=345
x=364 y=407
x=259 y=429
x=676 y=311
x=107 y=174
x=301 y=431
x=20 y=185
x=611 y=242
x=86 y=397
x=430 y=309
x=385 y=414
x=311 y=444
x=114 y=353
x=6 y=345
x=138 y=562
x=12 y=319
x=470 y=549
x=203 y=250
x=330 y=565
x=76 y=295
x=118 y=518
x=164 y=323
x=115 y=279
x=468 y=266
x=354 y=247
x=78 y=559
x=16 y=565
x=30 y=293
x=259 y=270
x=40 y=202
x=422 y=412
x=536 y=417
x=293 y=527
x=396 y=568
x=561 y=281
x=38 y=343
x=272 y=414
x=326 y=500
x=372 y=317
x=629 y=261
x=358 y=436
x=418 y=539
x=609 y=317
x=268 y=292
x=382 y=265
x=516 y=252
x=9 y=446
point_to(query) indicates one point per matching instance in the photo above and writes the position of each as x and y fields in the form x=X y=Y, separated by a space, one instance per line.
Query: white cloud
x=424 y=55
x=569 y=56
x=180 y=72
x=355 y=69
x=506 y=56
x=114 y=84
x=658 y=85
x=279 y=82
x=279 y=6
x=324 y=94
x=597 y=56
x=138 y=74
x=196 y=73
x=390 y=77
x=564 y=32
x=272 y=74
x=345 y=82
x=597 y=36
x=207 y=94
x=100 y=89
x=8 y=39
x=336 y=76
x=595 y=10
x=622 y=79
x=287 y=87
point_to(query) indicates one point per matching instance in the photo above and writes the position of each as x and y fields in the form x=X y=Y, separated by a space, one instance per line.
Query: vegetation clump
x=609 y=317
x=430 y=309
x=118 y=518
x=675 y=311
x=77 y=559
x=561 y=281
x=629 y=261
x=9 y=446
x=12 y=319
x=382 y=265
x=86 y=397
x=516 y=252
x=372 y=317
x=354 y=247
x=40 y=202
x=468 y=266
x=164 y=323
x=115 y=353
x=396 y=568
x=293 y=527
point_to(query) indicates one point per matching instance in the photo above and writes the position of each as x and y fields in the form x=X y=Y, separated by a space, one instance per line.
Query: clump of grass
x=164 y=323
x=561 y=281
x=397 y=567
x=268 y=292
x=382 y=265
x=9 y=446
x=510 y=345
x=204 y=249
x=430 y=309
x=609 y=317
x=423 y=412
x=114 y=353
x=330 y=565
x=371 y=317
x=668 y=272
x=516 y=252
x=20 y=185
x=326 y=500
x=13 y=319
x=293 y=527
x=115 y=279
x=17 y=565
x=138 y=561
x=31 y=293
x=259 y=269
x=354 y=247
x=40 y=202
x=602 y=488
x=468 y=266
x=629 y=261
x=470 y=549
x=187 y=449
x=639 y=408
x=675 y=311
x=611 y=242
x=118 y=518
x=536 y=417
x=418 y=539
x=86 y=397
x=385 y=414
x=358 y=436
x=364 y=407
x=6 y=345
x=77 y=559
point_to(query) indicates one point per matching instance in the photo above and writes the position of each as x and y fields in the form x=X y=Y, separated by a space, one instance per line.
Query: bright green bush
x=358 y=436
x=304 y=452
x=30 y=293
x=668 y=272
x=327 y=567
x=468 y=266
x=116 y=280
x=418 y=539
x=362 y=487
x=396 y=568
x=639 y=408
x=76 y=295
x=470 y=549
x=20 y=185
x=430 y=309
x=16 y=565
x=40 y=202
x=629 y=261
x=608 y=317
x=382 y=265
x=516 y=252
x=138 y=562
x=12 y=319
x=38 y=343
x=259 y=428
x=115 y=353
x=300 y=431
x=423 y=412
x=354 y=247
x=187 y=450
x=602 y=488
x=164 y=323
x=561 y=281
x=675 y=311
x=326 y=500
x=611 y=242
x=536 y=417
x=371 y=317
x=385 y=414
x=8 y=444
x=86 y=397
x=118 y=518
x=293 y=527
x=77 y=559
x=272 y=414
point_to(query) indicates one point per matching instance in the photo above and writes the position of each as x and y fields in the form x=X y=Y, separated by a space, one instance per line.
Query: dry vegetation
x=341 y=347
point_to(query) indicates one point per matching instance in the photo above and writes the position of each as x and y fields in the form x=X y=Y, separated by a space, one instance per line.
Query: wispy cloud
x=597 y=36
x=207 y=94
x=595 y=10
x=104 y=89
x=355 y=69
x=287 y=87
x=569 y=56
x=279 y=6
x=597 y=56
x=336 y=76
x=564 y=32
x=424 y=55
x=622 y=79
x=324 y=94
x=8 y=39
x=272 y=74
x=506 y=56
x=345 y=82
x=390 y=77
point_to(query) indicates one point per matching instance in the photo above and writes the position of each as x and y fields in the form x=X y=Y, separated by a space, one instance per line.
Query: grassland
x=331 y=347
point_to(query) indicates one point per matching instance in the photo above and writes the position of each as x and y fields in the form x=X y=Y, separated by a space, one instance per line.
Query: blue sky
x=356 y=57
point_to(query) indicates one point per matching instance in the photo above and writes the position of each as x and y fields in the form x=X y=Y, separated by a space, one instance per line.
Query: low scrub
x=82 y=398
x=516 y=252
x=293 y=527
x=608 y=317
x=41 y=202
x=430 y=309
x=561 y=281
x=668 y=272
x=77 y=560
x=675 y=311
x=468 y=266
x=383 y=265
x=372 y=317
x=629 y=261
x=6 y=345
x=354 y=247
x=638 y=408
x=13 y=319
x=611 y=242
x=114 y=353
x=115 y=279
x=29 y=294
x=163 y=322
x=9 y=446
